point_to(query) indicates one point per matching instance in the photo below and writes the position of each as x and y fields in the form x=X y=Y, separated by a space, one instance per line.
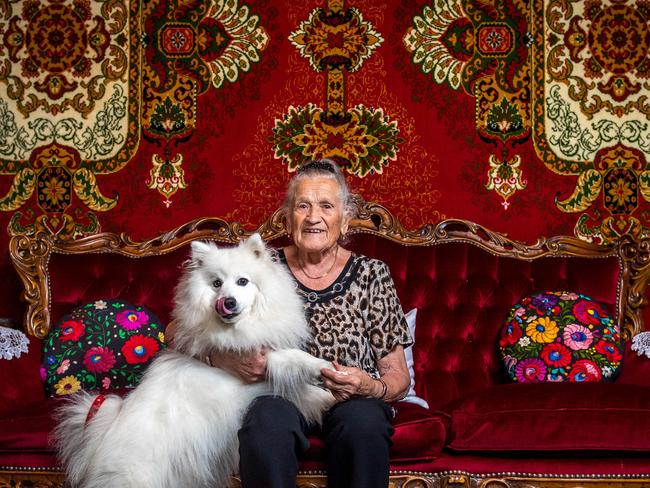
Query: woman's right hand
x=249 y=366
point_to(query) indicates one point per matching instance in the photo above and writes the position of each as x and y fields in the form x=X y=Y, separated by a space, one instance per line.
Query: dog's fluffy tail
x=77 y=440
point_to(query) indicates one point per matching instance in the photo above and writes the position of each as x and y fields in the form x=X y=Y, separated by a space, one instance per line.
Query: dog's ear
x=199 y=251
x=256 y=244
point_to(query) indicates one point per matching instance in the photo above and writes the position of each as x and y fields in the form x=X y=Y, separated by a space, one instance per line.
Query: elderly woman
x=357 y=323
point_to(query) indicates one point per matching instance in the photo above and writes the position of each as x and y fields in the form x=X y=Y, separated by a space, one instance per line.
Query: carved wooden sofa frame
x=31 y=255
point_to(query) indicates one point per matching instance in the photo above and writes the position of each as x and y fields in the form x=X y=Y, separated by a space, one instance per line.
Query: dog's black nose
x=230 y=303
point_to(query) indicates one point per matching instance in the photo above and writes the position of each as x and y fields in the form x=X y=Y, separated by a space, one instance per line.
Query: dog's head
x=237 y=298
x=227 y=280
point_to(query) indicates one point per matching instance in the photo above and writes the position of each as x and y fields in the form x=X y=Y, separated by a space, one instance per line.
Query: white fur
x=178 y=428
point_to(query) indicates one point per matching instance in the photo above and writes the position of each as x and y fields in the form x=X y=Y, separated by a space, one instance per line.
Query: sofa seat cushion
x=559 y=466
x=553 y=417
x=27 y=429
x=420 y=434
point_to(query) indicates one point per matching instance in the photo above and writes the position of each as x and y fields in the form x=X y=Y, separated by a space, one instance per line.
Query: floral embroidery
x=543 y=303
x=560 y=336
x=67 y=385
x=556 y=355
x=510 y=336
x=65 y=364
x=102 y=345
x=139 y=349
x=529 y=370
x=585 y=370
x=589 y=312
x=542 y=330
x=99 y=359
x=577 y=337
x=131 y=319
x=609 y=350
x=71 y=330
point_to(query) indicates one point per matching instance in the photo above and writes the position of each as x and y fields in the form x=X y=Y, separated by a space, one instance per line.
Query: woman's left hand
x=344 y=382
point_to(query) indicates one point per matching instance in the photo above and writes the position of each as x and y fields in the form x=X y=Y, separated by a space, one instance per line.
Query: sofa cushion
x=27 y=429
x=20 y=383
x=420 y=434
x=102 y=345
x=635 y=369
x=411 y=395
x=560 y=336
x=553 y=417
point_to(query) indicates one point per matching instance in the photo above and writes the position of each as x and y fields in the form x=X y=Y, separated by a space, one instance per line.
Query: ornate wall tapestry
x=531 y=118
x=482 y=48
x=591 y=109
x=70 y=80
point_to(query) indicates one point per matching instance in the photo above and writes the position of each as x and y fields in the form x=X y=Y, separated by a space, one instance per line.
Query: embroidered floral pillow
x=104 y=345
x=560 y=336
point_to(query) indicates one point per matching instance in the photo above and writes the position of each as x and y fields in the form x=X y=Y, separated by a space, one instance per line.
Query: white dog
x=178 y=428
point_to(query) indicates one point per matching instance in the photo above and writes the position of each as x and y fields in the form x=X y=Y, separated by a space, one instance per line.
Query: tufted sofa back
x=463 y=295
x=462 y=278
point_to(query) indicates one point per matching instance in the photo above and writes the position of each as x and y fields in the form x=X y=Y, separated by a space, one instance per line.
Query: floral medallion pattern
x=482 y=48
x=69 y=103
x=592 y=111
x=336 y=37
x=88 y=78
x=361 y=139
x=196 y=45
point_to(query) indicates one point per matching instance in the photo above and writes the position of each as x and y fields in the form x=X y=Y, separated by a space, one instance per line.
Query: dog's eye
x=217 y=283
x=242 y=282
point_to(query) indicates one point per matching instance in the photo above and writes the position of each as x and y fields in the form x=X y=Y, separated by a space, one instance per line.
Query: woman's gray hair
x=321 y=168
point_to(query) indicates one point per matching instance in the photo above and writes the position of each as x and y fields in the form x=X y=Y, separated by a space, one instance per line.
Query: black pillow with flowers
x=104 y=345
x=560 y=336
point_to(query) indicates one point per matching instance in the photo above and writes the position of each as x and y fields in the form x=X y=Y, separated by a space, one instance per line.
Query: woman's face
x=317 y=218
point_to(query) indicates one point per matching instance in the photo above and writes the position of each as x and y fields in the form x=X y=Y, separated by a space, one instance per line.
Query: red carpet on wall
x=531 y=118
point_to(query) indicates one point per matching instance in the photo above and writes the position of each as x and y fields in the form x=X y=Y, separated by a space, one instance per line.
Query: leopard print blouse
x=358 y=319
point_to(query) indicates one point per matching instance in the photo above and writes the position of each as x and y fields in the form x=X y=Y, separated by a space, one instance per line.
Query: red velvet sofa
x=481 y=429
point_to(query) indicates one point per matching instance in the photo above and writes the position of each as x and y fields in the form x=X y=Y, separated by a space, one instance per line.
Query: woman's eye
x=217 y=283
x=242 y=282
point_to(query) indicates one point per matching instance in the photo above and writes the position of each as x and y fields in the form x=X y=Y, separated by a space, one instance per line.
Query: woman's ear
x=287 y=224
x=345 y=224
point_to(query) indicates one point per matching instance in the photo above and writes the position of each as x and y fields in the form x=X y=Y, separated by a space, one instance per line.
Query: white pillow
x=408 y=352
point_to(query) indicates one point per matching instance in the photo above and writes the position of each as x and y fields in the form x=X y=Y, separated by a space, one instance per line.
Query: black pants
x=356 y=434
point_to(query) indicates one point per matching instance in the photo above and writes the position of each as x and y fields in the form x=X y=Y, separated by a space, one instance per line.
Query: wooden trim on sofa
x=30 y=253
x=55 y=479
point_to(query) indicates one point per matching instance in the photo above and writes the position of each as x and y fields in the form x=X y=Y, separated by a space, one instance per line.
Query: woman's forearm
x=394 y=374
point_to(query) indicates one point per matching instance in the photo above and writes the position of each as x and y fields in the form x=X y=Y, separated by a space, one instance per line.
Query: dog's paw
x=323 y=364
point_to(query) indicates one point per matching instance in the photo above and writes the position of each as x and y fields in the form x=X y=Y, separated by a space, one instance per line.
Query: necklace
x=336 y=253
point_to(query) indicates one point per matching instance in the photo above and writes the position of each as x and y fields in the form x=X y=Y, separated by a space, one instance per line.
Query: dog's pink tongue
x=221 y=307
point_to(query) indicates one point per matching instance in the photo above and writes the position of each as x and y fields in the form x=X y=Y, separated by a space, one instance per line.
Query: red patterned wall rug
x=531 y=118
x=591 y=109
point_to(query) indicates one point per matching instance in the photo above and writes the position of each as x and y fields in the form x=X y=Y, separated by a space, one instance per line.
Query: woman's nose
x=313 y=215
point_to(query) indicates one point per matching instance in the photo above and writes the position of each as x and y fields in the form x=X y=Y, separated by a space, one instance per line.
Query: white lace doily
x=12 y=343
x=641 y=344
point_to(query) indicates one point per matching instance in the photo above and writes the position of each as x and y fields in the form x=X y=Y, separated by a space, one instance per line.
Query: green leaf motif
x=21 y=190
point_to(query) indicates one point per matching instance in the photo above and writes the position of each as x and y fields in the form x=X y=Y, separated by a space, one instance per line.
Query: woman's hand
x=249 y=366
x=344 y=382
